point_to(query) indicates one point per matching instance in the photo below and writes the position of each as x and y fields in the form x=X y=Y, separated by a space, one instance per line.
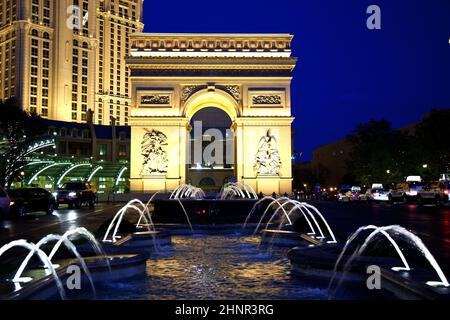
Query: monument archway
x=211 y=149
x=174 y=77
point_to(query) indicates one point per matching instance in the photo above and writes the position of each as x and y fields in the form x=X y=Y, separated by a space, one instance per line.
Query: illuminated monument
x=175 y=76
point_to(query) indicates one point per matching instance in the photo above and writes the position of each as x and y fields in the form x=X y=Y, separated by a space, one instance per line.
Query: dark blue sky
x=346 y=74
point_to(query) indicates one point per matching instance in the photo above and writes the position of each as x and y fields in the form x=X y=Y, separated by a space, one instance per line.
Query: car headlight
x=72 y=194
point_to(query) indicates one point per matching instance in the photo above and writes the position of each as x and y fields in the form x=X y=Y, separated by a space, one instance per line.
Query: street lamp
x=388 y=171
x=425 y=166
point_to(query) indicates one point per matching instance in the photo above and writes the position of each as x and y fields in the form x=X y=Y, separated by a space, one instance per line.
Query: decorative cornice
x=205 y=42
x=193 y=65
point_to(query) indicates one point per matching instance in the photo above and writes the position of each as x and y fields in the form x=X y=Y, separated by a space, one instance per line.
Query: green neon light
x=70 y=169
x=94 y=172
x=120 y=175
x=46 y=168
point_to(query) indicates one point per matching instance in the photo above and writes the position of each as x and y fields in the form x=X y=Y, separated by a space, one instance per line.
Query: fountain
x=255 y=206
x=290 y=237
x=275 y=201
x=139 y=238
x=69 y=245
x=64 y=239
x=302 y=207
x=237 y=190
x=187 y=191
x=186 y=214
x=42 y=256
x=117 y=220
x=386 y=232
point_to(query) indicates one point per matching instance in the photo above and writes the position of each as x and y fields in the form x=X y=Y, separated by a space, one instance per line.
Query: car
x=406 y=191
x=355 y=193
x=364 y=195
x=5 y=204
x=27 y=200
x=344 y=194
x=398 y=192
x=415 y=184
x=378 y=193
x=436 y=191
x=75 y=194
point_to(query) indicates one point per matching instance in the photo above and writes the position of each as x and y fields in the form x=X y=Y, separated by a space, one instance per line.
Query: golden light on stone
x=247 y=76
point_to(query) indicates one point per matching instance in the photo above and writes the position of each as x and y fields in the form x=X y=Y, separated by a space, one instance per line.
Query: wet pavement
x=430 y=223
x=35 y=226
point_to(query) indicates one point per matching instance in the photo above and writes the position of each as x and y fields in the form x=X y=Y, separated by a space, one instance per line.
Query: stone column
x=22 y=29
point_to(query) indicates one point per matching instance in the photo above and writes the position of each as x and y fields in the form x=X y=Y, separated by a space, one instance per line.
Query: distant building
x=63 y=58
x=329 y=163
x=81 y=152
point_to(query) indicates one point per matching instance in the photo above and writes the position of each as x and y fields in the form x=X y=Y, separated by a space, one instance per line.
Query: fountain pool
x=225 y=266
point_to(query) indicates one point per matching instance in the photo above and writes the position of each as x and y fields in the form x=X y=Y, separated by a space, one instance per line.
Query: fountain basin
x=42 y=287
x=320 y=260
x=208 y=229
x=287 y=238
x=145 y=239
x=412 y=285
x=205 y=211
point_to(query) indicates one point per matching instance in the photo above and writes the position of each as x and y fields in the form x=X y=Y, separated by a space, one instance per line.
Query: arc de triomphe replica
x=248 y=76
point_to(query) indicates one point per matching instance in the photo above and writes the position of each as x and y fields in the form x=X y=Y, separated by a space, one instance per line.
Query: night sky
x=346 y=73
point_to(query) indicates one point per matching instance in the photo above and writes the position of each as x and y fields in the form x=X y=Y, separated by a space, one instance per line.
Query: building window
x=122 y=150
x=86 y=134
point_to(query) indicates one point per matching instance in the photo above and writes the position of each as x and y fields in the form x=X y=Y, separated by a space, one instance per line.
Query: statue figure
x=268 y=160
x=154 y=150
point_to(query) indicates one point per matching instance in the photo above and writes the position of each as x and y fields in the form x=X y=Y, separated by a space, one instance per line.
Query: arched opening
x=211 y=149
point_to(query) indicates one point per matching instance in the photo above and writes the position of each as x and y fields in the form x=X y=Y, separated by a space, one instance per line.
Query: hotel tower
x=60 y=58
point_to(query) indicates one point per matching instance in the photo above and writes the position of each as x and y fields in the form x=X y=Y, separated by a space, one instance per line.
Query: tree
x=432 y=145
x=379 y=153
x=17 y=128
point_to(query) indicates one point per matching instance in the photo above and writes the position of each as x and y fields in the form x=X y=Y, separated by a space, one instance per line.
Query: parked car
x=5 y=203
x=378 y=193
x=415 y=184
x=406 y=191
x=75 y=194
x=344 y=194
x=364 y=195
x=398 y=192
x=356 y=194
x=28 y=200
x=436 y=191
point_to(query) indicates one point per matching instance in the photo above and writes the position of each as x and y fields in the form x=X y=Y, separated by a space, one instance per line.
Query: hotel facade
x=61 y=58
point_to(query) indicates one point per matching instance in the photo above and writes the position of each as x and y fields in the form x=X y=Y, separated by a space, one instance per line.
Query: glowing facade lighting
x=120 y=175
x=70 y=169
x=46 y=168
x=94 y=172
